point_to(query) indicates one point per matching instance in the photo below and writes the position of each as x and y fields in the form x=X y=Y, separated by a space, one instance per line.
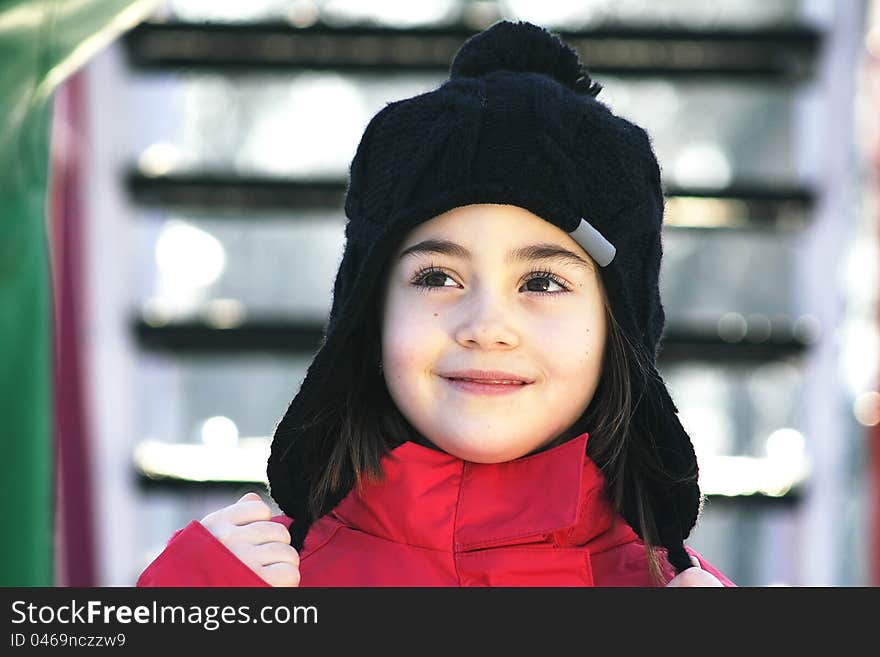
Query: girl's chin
x=478 y=450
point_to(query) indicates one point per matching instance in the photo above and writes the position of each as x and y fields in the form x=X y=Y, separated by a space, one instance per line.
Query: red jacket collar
x=435 y=500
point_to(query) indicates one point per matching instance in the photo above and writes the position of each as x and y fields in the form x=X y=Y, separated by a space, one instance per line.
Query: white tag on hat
x=594 y=243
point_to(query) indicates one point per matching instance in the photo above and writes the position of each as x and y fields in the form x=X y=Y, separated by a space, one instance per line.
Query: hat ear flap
x=670 y=480
x=284 y=470
x=287 y=467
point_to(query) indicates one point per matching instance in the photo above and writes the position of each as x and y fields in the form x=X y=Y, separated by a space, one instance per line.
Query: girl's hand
x=695 y=576
x=246 y=528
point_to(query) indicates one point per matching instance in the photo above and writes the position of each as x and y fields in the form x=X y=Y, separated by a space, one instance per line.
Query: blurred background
x=198 y=157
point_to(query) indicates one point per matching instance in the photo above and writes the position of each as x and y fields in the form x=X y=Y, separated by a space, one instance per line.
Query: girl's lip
x=486 y=376
x=481 y=388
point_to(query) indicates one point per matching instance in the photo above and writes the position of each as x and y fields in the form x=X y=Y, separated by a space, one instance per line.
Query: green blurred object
x=41 y=43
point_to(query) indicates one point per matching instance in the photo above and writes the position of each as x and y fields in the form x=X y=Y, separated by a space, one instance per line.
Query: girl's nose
x=487 y=323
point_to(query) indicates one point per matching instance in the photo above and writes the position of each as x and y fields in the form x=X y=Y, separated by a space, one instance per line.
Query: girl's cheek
x=409 y=329
x=565 y=331
x=412 y=318
x=572 y=348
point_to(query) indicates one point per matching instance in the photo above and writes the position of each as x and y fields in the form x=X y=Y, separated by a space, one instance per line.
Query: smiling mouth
x=486 y=387
x=494 y=382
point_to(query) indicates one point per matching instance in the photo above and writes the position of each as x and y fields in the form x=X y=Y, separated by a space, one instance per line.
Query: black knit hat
x=516 y=123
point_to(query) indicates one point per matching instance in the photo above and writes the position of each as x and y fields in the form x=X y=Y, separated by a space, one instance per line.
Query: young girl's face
x=478 y=288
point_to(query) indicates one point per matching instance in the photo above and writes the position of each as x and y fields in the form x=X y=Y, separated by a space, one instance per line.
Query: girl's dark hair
x=365 y=424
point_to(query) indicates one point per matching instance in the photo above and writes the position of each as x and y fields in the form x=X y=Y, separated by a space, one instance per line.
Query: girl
x=484 y=409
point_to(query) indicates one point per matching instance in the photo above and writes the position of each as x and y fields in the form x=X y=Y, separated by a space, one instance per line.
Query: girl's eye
x=429 y=275
x=538 y=282
x=545 y=279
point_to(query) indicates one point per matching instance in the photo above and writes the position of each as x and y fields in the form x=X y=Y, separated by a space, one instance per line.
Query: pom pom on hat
x=523 y=48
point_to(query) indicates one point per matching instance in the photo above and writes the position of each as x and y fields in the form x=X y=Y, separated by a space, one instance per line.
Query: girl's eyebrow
x=542 y=251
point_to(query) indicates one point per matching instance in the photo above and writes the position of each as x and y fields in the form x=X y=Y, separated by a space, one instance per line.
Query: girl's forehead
x=485 y=225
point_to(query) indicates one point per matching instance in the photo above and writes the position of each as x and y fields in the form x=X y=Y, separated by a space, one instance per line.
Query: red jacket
x=541 y=520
